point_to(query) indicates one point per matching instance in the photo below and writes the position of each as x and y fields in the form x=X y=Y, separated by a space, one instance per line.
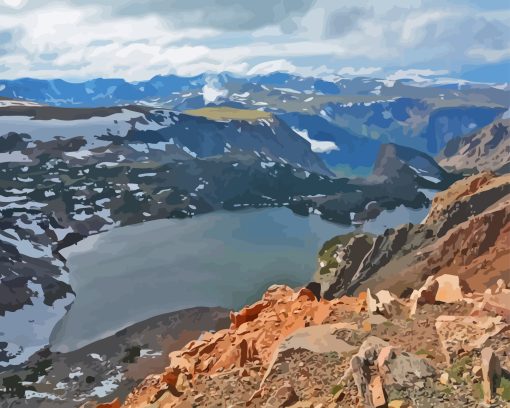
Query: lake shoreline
x=378 y=225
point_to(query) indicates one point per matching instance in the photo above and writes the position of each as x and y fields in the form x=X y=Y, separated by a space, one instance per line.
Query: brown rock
x=377 y=392
x=384 y=303
x=476 y=371
x=491 y=371
x=450 y=289
x=386 y=354
x=444 y=378
x=500 y=304
x=466 y=333
x=445 y=288
x=285 y=396
x=253 y=337
x=398 y=404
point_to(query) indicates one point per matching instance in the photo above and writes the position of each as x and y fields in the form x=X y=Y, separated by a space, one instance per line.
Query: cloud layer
x=135 y=40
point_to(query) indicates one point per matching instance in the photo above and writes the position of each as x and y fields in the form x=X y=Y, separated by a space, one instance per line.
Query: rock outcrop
x=466 y=234
x=485 y=149
x=491 y=371
x=292 y=350
x=397 y=162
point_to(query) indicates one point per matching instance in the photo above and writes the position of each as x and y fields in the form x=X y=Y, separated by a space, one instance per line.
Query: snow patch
x=318 y=146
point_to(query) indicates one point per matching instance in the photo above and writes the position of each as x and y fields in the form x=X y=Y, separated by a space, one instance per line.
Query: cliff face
x=485 y=149
x=397 y=162
x=465 y=233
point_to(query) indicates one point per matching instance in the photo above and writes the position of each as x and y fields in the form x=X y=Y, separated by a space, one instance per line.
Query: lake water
x=223 y=258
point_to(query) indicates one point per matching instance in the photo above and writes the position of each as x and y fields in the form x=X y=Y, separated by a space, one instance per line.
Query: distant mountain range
x=344 y=119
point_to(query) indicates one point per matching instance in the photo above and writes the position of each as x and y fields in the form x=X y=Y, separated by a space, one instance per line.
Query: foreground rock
x=491 y=371
x=292 y=350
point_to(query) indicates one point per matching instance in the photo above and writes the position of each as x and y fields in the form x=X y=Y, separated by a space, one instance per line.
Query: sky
x=136 y=39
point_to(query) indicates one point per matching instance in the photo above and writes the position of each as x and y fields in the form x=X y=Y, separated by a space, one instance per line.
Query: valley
x=178 y=213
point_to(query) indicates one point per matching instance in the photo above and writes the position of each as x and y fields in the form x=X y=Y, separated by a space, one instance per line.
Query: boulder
x=317 y=339
x=491 y=372
x=379 y=368
x=285 y=396
x=377 y=392
x=450 y=289
x=385 y=303
x=444 y=288
x=406 y=369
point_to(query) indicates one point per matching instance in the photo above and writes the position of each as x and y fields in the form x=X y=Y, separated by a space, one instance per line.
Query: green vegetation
x=426 y=353
x=477 y=391
x=505 y=384
x=336 y=388
x=326 y=253
x=458 y=368
x=226 y=113
x=40 y=369
x=131 y=353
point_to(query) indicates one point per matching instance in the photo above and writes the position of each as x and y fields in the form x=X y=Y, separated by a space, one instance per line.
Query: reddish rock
x=114 y=404
x=254 y=335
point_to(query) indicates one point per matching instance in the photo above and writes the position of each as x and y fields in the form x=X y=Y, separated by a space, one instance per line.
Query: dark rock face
x=345 y=262
x=400 y=162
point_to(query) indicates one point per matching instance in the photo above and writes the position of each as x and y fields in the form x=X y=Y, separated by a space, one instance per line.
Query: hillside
x=487 y=149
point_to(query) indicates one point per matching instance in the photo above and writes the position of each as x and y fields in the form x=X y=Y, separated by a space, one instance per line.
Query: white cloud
x=79 y=40
x=271 y=66
x=212 y=90
x=15 y=4
x=489 y=55
x=351 y=71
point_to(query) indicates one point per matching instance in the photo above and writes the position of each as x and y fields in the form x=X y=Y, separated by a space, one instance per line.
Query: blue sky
x=135 y=40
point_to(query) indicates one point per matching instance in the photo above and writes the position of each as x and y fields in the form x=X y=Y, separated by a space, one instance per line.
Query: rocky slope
x=107 y=368
x=292 y=350
x=400 y=162
x=466 y=232
x=487 y=149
